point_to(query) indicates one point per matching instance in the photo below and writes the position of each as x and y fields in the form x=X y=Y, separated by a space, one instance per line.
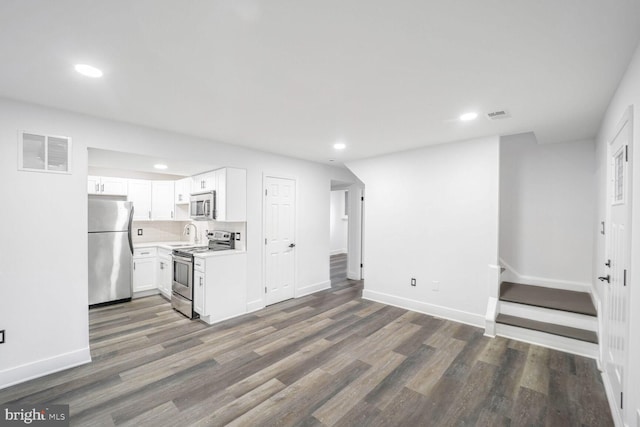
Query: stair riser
x=580 y=348
x=547 y=315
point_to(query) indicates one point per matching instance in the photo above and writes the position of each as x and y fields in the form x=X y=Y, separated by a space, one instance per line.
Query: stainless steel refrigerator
x=110 y=250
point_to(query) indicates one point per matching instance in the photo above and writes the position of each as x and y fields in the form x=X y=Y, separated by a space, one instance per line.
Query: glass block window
x=44 y=153
x=618 y=177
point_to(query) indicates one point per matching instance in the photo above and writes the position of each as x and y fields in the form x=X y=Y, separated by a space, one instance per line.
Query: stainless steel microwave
x=202 y=206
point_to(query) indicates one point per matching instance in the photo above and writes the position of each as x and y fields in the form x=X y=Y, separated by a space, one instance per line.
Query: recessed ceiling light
x=468 y=116
x=160 y=166
x=88 y=70
x=339 y=145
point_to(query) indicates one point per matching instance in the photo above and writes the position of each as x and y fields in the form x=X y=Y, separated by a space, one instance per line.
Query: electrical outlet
x=139 y=231
x=2 y=336
x=413 y=281
x=435 y=285
x=237 y=236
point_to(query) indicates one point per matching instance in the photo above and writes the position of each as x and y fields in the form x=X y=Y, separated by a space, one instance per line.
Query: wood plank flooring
x=329 y=359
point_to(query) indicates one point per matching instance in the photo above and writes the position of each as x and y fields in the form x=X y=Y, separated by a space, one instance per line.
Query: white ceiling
x=292 y=77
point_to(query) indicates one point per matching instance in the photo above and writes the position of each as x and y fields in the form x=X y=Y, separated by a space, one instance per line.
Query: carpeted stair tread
x=550 y=328
x=539 y=296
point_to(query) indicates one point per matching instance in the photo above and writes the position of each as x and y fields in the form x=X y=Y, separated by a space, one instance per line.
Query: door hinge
x=626 y=153
x=624 y=278
x=362 y=199
x=361 y=265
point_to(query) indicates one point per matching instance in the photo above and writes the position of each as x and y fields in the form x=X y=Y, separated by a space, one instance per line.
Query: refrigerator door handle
x=129 y=230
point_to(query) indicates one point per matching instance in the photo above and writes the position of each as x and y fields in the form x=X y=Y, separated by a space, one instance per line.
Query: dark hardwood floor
x=330 y=358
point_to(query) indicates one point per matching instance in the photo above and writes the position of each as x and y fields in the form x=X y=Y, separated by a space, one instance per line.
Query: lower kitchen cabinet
x=221 y=287
x=144 y=269
x=165 y=272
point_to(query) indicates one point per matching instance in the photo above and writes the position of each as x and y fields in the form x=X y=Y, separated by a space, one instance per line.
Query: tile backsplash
x=159 y=231
x=172 y=231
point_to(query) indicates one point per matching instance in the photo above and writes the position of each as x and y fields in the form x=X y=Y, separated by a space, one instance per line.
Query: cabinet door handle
x=134 y=265
x=145 y=253
x=97 y=188
x=149 y=214
x=171 y=214
x=161 y=265
x=200 y=280
x=102 y=188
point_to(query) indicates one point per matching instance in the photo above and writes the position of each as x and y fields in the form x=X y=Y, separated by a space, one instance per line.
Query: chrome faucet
x=195 y=230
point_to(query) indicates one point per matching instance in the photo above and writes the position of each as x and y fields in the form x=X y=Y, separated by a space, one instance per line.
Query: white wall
x=432 y=214
x=547 y=203
x=628 y=93
x=43 y=292
x=338 y=224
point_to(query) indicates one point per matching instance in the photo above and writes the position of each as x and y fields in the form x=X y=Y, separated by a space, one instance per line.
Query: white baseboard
x=338 y=251
x=541 y=314
x=311 y=289
x=511 y=275
x=543 y=339
x=490 y=317
x=40 y=368
x=255 y=305
x=613 y=405
x=422 y=307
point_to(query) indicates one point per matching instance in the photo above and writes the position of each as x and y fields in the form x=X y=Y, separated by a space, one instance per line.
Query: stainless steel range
x=182 y=287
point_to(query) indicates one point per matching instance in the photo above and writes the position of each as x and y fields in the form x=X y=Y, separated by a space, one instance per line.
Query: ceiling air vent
x=498 y=115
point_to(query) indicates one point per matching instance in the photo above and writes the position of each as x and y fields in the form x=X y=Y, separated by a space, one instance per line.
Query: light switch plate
x=139 y=231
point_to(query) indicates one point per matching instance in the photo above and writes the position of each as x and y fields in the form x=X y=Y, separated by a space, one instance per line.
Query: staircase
x=557 y=318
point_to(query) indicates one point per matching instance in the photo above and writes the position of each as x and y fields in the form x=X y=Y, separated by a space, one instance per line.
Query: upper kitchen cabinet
x=231 y=194
x=203 y=182
x=152 y=200
x=107 y=186
x=140 y=195
x=183 y=191
x=162 y=200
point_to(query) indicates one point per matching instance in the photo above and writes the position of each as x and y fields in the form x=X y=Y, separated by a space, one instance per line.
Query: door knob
x=292 y=245
x=605 y=279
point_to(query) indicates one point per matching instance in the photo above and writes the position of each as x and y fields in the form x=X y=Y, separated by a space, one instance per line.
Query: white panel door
x=618 y=249
x=280 y=214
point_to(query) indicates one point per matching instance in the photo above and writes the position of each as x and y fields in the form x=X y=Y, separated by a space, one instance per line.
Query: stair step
x=550 y=328
x=539 y=296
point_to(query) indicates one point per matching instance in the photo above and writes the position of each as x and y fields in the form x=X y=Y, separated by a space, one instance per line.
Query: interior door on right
x=279 y=217
x=618 y=250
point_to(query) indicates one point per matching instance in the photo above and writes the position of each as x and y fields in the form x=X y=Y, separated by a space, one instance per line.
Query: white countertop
x=173 y=245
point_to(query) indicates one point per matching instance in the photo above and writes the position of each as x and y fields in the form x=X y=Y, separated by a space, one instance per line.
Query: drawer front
x=198 y=264
x=145 y=252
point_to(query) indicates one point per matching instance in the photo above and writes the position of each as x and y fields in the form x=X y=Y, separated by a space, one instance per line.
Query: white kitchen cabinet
x=107 y=186
x=162 y=200
x=223 y=293
x=203 y=182
x=198 y=292
x=144 y=270
x=183 y=191
x=231 y=194
x=165 y=272
x=140 y=195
